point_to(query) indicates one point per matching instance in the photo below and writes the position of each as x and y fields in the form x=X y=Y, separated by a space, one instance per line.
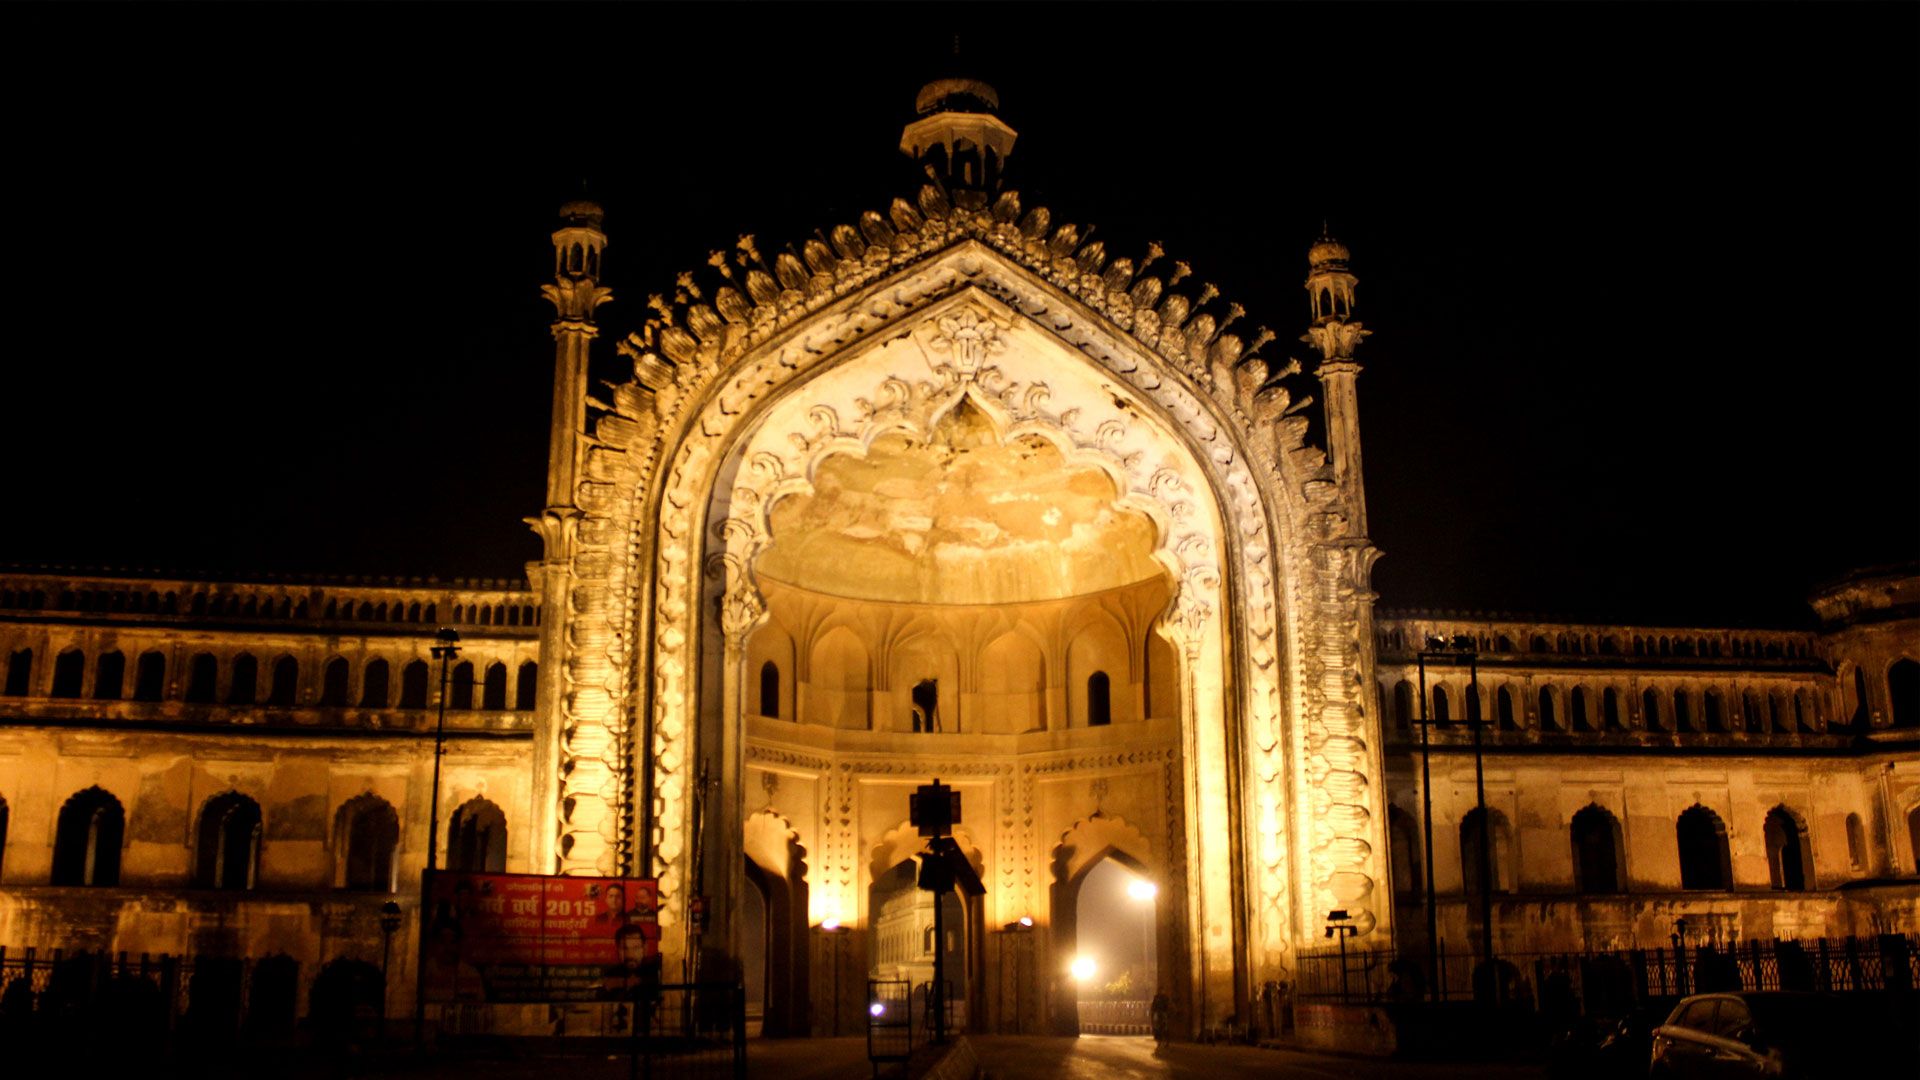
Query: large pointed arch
x=1297 y=825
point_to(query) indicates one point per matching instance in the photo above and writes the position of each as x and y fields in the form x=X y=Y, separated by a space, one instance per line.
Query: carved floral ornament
x=699 y=384
x=953 y=346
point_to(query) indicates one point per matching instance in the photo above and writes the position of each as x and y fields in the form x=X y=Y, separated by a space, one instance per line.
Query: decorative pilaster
x=1336 y=334
x=579 y=750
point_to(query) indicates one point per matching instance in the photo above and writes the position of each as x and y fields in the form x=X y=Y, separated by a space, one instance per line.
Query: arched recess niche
x=972 y=353
x=1288 y=830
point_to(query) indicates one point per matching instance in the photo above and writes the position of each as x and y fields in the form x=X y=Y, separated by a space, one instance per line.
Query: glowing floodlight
x=829 y=925
x=876 y=1010
x=1082 y=968
x=1143 y=890
x=1026 y=920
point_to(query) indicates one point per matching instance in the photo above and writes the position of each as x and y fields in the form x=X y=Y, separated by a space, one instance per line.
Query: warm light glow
x=1083 y=968
x=876 y=1009
x=830 y=924
x=1142 y=889
x=1026 y=920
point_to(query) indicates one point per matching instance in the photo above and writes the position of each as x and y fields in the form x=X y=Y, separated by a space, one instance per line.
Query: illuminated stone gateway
x=959 y=496
x=948 y=491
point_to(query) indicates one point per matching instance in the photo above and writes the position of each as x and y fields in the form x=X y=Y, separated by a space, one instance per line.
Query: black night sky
x=1643 y=278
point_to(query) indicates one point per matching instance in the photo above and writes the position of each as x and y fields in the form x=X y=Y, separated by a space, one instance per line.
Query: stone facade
x=315 y=701
x=947 y=491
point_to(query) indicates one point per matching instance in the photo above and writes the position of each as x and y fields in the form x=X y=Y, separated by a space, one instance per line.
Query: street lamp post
x=1460 y=649
x=1340 y=925
x=446 y=647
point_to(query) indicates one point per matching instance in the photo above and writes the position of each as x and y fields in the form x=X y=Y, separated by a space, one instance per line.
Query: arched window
x=1610 y=709
x=1403 y=703
x=1405 y=853
x=1704 y=862
x=333 y=684
x=1596 y=851
x=286 y=682
x=413 y=685
x=925 y=702
x=1471 y=695
x=1503 y=702
x=86 y=841
x=462 y=696
x=245 y=685
x=1715 y=716
x=1471 y=850
x=1786 y=851
x=203 y=677
x=477 y=838
x=1539 y=644
x=1777 y=713
x=366 y=833
x=1442 y=708
x=1650 y=709
x=1903 y=692
x=19 y=672
x=3 y=838
x=229 y=847
x=109 y=675
x=494 y=693
x=1913 y=837
x=1548 y=721
x=68 y=668
x=150 y=676
x=1862 y=712
x=1099 y=700
x=770 y=690
x=1856 y=844
x=1682 y=712
x=1577 y=709
x=1750 y=712
x=527 y=687
x=373 y=685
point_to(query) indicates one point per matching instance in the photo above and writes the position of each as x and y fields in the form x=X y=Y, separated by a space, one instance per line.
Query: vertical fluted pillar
x=576 y=783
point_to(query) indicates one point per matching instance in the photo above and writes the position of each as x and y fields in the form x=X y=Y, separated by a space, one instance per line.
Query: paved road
x=1094 y=1057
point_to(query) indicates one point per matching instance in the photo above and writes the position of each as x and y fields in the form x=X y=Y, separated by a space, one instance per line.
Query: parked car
x=1778 y=1034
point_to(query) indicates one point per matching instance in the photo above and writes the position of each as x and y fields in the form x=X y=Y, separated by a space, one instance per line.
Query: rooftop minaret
x=958 y=138
x=569 y=735
x=578 y=248
x=1335 y=333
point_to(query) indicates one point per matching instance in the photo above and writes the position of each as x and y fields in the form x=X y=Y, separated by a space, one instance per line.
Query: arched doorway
x=1115 y=966
x=1115 y=930
x=771 y=924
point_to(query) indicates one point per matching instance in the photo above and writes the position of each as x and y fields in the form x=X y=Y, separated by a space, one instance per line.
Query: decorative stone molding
x=704 y=371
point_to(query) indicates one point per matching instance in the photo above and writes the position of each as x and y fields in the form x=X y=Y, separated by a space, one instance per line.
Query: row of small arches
x=1610 y=645
x=926 y=699
x=1600 y=854
x=1579 y=710
x=267 y=606
x=90 y=833
x=243 y=684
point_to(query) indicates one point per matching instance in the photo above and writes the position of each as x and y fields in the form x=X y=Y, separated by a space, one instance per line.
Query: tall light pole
x=1460 y=649
x=446 y=647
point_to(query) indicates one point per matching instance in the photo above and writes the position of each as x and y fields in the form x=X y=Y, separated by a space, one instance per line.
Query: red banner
x=531 y=937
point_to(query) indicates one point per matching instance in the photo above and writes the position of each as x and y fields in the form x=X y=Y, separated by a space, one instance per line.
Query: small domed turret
x=958 y=138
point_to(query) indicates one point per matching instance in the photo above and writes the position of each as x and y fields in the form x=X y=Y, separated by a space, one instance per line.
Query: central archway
x=1269 y=790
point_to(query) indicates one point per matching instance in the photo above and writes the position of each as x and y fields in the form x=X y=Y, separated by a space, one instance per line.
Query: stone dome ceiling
x=960 y=518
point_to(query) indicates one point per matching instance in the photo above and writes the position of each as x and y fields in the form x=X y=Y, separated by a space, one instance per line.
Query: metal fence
x=1611 y=981
x=693 y=1031
x=156 y=998
x=1115 y=1017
